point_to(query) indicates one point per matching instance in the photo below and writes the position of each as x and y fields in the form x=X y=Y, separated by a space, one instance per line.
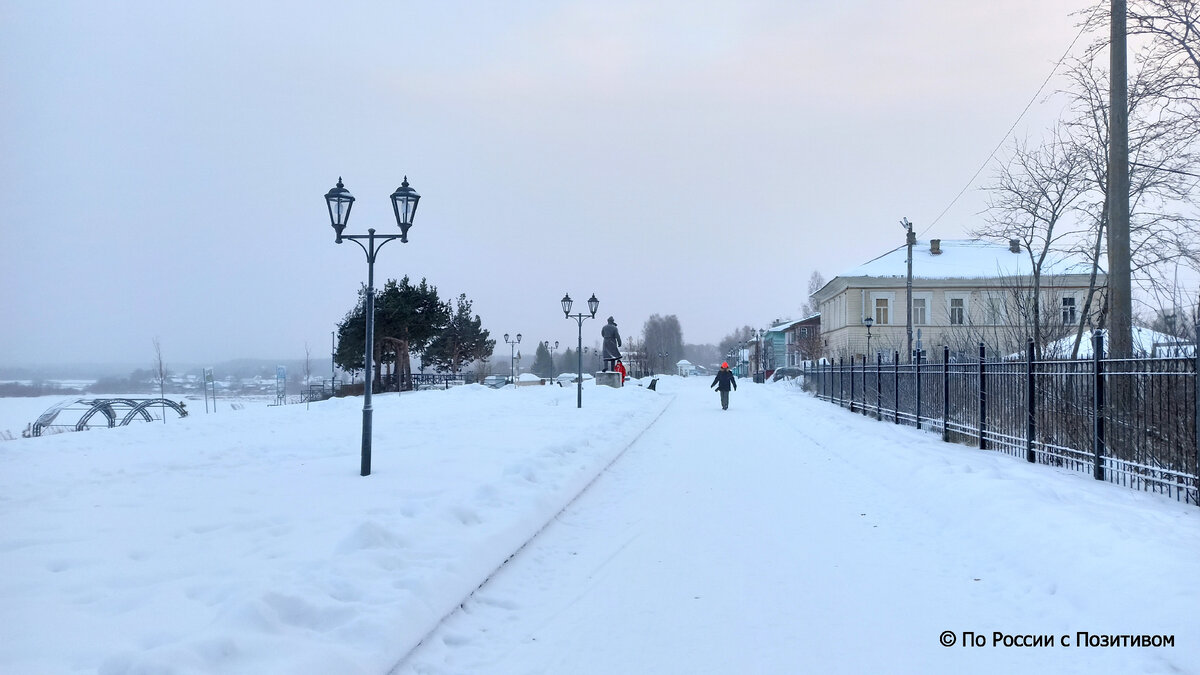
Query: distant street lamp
x=552 y=347
x=512 y=357
x=593 y=305
x=662 y=362
x=868 y=322
x=404 y=204
x=762 y=353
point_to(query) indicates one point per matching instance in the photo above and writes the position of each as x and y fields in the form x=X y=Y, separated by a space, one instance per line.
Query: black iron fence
x=1126 y=421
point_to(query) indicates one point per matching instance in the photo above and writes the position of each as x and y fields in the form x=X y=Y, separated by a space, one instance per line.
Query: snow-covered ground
x=784 y=535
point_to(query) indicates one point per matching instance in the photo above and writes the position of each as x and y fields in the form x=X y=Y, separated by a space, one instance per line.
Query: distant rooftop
x=965 y=259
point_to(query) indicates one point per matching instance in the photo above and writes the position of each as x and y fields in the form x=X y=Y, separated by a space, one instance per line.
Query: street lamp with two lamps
x=404 y=204
x=512 y=357
x=593 y=305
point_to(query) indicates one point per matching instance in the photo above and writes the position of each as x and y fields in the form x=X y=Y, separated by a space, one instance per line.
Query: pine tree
x=463 y=340
x=543 y=365
x=407 y=318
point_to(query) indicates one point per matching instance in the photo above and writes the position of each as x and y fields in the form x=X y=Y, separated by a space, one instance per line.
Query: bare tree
x=815 y=283
x=307 y=373
x=1032 y=200
x=1163 y=157
x=160 y=373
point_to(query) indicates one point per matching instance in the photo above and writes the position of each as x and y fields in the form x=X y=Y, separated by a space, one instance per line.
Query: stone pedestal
x=609 y=379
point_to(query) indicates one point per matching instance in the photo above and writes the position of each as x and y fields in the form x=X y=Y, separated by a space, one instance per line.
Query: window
x=920 y=312
x=995 y=310
x=1068 y=311
x=958 y=311
x=881 y=311
x=804 y=330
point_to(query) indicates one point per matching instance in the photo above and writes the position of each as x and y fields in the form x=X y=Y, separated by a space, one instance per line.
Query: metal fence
x=1126 y=421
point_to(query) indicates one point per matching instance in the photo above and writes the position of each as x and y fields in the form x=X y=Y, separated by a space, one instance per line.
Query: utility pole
x=1120 y=301
x=910 y=239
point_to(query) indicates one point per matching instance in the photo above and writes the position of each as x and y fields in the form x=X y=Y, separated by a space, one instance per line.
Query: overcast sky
x=165 y=163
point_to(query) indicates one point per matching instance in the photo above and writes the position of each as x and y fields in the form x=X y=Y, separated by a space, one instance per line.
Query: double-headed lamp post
x=404 y=204
x=512 y=356
x=593 y=305
x=868 y=322
x=552 y=347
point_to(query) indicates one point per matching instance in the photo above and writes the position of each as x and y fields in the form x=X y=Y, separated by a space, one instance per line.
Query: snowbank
x=248 y=543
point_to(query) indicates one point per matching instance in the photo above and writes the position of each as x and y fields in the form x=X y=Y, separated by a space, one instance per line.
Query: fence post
x=852 y=360
x=879 y=389
x=917 y=379
x=1030 y=402
x=896 y=372
x=982 y=397
x=946 y=393
x=1098 y=405
x=842 y=381
x=865 y=406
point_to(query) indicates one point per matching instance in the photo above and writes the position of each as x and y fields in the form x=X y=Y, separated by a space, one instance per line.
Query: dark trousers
x=724 y=400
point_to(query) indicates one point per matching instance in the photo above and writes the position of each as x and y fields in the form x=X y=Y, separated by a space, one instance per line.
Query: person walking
x=723 y=381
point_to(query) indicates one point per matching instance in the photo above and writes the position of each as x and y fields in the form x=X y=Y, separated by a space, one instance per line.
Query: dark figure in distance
x=723 y=381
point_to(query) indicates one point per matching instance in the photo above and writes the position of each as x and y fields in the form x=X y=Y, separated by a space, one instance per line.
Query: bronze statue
x=612 y=341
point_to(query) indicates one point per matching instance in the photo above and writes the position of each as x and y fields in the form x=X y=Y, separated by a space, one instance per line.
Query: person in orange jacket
x=723 y=381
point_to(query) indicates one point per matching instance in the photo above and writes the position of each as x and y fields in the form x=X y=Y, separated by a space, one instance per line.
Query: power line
x=1008 y=133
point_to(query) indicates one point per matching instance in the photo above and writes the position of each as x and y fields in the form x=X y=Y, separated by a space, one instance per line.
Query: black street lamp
x=552 y=347
x=512 y=357
x=868 y=322
x=593 y=305
x=404 y=203
x=760 y=358
x=662 y=362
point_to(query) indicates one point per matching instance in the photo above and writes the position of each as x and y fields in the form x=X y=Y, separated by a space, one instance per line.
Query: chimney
x=1014 y=245
x=935 y=246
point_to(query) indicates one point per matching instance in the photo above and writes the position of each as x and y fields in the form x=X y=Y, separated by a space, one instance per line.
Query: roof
x=965 y=259
x=1146 y=343
x=779 y=328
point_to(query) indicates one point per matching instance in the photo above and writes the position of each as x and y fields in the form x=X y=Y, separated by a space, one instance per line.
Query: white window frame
x=928 y=298
x=966 y=308
x=890 y=299
x=1074 y=310
x=993 y=309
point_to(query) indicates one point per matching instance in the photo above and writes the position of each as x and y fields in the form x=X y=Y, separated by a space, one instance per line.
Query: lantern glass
x=340 y=201
x=566 y=304
x=404 y=203
x=593 y=305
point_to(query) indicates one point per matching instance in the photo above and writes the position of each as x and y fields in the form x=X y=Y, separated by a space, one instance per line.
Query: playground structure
x=116 y=412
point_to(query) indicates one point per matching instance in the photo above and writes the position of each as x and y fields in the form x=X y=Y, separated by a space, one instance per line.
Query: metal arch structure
x=107 y=407
x=110 y=408
x=141 y=408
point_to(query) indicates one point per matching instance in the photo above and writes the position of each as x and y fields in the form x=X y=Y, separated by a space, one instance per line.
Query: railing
x=1127 y=421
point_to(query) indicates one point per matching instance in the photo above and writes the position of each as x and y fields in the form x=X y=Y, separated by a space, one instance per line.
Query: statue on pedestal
x=612 y=342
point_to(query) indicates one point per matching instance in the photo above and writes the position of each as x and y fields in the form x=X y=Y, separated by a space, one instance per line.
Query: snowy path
x=788 y=536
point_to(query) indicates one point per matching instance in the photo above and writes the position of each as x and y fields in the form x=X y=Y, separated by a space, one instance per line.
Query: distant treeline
x=14 y=389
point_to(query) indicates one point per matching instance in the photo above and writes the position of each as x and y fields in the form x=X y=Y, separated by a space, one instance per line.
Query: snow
x=1146 y=343
x=648 y=532
x=965 y=259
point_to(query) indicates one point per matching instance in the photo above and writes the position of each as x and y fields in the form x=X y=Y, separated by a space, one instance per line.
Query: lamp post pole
x=593 y=305
x=404 y=203
x=512 y=357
